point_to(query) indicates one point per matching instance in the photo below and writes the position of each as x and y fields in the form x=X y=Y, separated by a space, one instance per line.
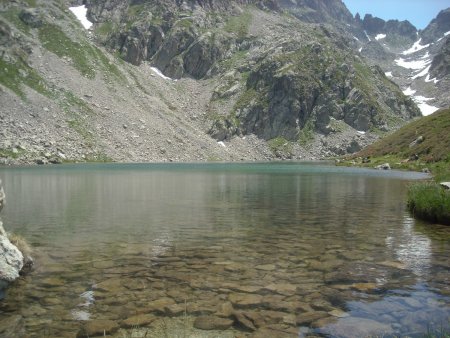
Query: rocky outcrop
x=437 y=27
x=293 y=91
x=440 y=66
x=373 y=26
x=11 y=259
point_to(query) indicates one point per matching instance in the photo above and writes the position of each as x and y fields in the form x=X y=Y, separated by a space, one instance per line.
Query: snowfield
x=415 y=48
x=159 y=73
x=81 y=13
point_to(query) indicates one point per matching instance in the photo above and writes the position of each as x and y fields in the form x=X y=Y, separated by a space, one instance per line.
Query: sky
x=418 y=12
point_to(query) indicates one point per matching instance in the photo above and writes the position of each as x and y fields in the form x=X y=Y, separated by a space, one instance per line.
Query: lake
x=275 y=249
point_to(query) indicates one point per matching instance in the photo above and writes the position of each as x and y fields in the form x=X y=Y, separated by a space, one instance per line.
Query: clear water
x=303 y=248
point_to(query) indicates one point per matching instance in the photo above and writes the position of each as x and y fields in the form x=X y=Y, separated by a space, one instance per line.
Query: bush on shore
x=430 y=202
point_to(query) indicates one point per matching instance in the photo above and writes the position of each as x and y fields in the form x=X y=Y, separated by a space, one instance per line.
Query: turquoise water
x=305 y=248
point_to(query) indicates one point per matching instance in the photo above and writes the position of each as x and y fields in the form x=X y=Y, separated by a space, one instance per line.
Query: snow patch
x=422 y=73
x=447 y=33
x=360 y=132
x=354 y=37
x=414 y=64
x=389 y=74
x=424 y=107
x=427 y=79
x=160 y=74
x=360 y=50
x=415 y=47
x=409 y=91
x=367 y=36
x=81 y=13
x=421 y=102
x=380 y=37
x=222 y=144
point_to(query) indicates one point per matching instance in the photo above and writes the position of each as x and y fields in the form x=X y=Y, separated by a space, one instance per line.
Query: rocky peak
x=374 y=26
x=437 y=27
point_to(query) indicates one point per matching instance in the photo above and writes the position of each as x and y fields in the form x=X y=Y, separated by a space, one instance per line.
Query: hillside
x=155 y=81
x=422 y=143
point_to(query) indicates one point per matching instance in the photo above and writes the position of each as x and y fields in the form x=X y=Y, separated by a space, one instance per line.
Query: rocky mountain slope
x=418 y=61
x=194 y=81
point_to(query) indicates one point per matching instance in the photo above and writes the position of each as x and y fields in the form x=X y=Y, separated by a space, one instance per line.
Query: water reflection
x=289 y=247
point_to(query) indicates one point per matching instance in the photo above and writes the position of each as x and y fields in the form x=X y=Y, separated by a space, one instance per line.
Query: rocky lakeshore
x=12 y=260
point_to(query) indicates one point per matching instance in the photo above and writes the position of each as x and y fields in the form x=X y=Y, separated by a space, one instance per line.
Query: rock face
x=373 y=26
x=11 y=259
x=437 y=27
x=440 y=67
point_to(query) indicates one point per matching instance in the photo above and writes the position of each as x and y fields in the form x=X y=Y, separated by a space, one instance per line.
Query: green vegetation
x=184 y=23
x=280 y=145
x=307 y=133
x=7 y=153
x=434 y=147
x=85 y=58
x=105 y=28
x=245 y=99
x=234 y=60
x=14 y=75
x=76 y=109
x=135 y=10
x=423 y=143
x=56 y=41
x=12 y=15
x=239 y=25
x=429 y=201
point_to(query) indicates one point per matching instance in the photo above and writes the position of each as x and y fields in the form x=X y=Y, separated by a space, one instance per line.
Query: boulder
x=384 y=166
x=445 y=185
x=11 y=258
x=31 y=17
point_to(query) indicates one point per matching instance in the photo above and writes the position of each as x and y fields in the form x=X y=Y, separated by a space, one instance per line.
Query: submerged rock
x=99 y=327
x=212 y=323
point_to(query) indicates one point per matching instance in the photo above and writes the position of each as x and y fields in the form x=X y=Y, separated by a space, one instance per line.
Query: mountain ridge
x=244 y=90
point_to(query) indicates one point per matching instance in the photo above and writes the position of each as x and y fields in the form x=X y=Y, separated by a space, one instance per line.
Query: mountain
x=418 y=61
x=198 y=80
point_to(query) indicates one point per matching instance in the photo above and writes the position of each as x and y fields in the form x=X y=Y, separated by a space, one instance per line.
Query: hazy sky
x=418 y=12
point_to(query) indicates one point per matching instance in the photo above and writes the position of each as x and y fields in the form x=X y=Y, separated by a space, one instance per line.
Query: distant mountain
x=417 y=61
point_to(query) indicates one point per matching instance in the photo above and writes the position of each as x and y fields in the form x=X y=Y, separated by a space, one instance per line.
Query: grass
x=239 y=25
x=9 y=153
x=434 y=148
x=57 y=42
x=430 y=202
x=85 y=58
x=14 y=75
x=280 y=145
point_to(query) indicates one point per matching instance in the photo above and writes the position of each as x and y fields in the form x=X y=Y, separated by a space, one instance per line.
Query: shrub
x=429 y=201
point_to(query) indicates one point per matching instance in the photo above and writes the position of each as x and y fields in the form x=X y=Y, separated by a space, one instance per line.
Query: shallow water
x=296 y=248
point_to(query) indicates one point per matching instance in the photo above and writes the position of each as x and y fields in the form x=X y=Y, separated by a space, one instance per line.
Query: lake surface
x=283 y=249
